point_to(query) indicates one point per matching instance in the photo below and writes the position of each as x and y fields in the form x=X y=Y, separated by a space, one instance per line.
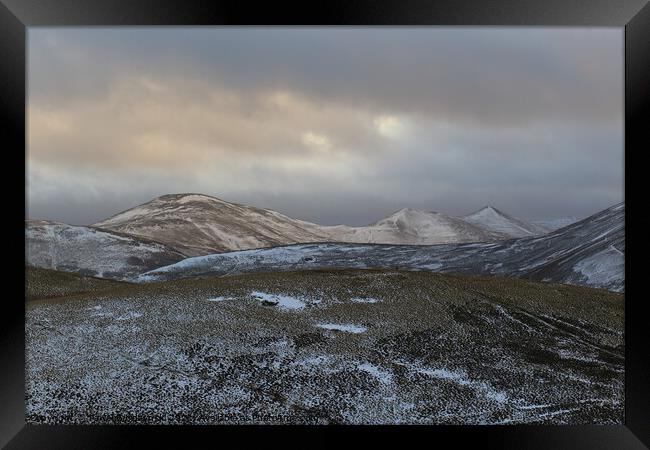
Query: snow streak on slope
x=589 y=252
x=199 y=224
x=491 y=219
x=556 y=224
x=93 y=252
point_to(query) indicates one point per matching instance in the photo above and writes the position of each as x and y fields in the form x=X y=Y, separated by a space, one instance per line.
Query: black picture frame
x=633 y=15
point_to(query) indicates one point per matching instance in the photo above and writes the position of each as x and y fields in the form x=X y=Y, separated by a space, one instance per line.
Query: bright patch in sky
x=389 y=126
x=316 y=141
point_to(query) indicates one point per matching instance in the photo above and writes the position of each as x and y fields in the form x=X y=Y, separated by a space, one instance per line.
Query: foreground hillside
x=92 y=252
x=196 y=224
x=45 y=283
x=589 y=252
x=328 y=347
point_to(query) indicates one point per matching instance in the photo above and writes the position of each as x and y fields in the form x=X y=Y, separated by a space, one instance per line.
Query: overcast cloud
x=332 y=125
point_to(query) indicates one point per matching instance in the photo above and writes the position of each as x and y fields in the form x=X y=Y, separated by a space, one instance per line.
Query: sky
x=330 y=124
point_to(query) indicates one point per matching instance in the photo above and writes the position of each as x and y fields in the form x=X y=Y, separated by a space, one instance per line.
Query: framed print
x=363 y=217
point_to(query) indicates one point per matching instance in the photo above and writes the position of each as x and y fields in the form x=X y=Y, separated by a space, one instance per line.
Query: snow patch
x=314 y=360
x=347 y=327
x=382 y=375
x=283 y=301
x=220 y=299
x=129 y=315
x=364 y=300
x=461 y=378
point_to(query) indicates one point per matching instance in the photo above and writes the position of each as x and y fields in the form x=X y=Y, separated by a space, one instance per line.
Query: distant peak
x=189 y=196
x=411 y=211
x=487 y=209
x=181 y=195
x=406 y=210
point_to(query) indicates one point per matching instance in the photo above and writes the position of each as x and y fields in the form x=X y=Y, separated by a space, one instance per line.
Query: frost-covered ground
x=328 y=347
x=590 y=252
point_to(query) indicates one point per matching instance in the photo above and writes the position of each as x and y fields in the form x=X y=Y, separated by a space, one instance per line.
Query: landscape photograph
x=324 y=225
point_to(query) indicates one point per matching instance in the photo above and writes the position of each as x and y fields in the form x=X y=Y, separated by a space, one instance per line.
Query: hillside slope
x=557 y=223
x=197 y=224
x=92 y=252
x=589 y=252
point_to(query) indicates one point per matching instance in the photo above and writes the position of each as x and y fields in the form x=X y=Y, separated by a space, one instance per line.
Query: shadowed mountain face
x=93 y=252
x=589 y=252
x=199 y=224
x=557 y=223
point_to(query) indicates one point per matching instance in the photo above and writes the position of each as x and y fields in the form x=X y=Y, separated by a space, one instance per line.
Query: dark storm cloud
x=336 y=125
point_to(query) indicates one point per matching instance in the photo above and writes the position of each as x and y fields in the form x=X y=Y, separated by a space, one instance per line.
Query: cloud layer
x=335 y=125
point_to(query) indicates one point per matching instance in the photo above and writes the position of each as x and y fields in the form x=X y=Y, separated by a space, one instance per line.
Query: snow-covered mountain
x=491 y=219
x=412 y=227
x=589 y=252
x=90 y=251
x=197 y=224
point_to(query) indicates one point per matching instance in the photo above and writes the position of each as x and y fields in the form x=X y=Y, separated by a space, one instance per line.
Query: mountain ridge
x=198 y=224
x=589 y=252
